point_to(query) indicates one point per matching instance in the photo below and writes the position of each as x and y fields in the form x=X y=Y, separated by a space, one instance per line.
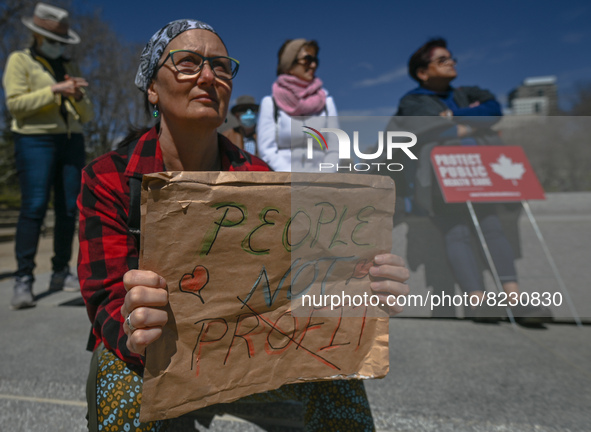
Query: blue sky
x=365 y=45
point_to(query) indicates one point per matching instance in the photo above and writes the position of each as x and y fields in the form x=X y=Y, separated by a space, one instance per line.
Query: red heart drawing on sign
x=194 y=282
x=361 y=269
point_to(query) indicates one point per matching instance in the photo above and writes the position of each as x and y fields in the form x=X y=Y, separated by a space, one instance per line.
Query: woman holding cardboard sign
x=186 y=75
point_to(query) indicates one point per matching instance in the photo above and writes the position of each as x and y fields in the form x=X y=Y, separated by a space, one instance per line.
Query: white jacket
x=274 y=139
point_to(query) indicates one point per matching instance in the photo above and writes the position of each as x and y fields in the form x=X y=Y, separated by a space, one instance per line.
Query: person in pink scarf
x=298 y=99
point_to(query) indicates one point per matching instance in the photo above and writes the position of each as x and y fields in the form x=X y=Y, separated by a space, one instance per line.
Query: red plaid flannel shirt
x=107 y=249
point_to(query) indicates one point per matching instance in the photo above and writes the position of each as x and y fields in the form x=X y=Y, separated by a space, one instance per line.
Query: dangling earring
x=156 y=113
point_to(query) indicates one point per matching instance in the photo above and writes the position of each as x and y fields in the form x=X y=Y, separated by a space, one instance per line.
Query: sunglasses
x=307 y=60
x=54 y=42
x=444 y=60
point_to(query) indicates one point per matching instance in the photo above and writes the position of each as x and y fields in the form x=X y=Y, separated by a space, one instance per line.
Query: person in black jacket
x=440 y=114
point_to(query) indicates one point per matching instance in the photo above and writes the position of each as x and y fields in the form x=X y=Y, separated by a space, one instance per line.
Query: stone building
x=536 y=96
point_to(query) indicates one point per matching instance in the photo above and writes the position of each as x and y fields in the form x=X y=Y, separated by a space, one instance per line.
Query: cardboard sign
x=239 y=250
x=485 y=174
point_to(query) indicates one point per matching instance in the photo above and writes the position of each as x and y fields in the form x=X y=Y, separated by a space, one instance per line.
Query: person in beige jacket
x=47 y=100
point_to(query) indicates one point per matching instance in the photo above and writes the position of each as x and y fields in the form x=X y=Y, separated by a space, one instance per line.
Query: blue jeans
x=46 y=162
x=455 y=224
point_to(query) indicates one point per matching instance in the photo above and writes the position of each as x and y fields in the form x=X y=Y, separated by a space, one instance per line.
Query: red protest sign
x=485 y=174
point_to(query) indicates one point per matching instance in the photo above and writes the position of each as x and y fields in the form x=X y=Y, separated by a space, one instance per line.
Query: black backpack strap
x=275 y=110
x=135 y=194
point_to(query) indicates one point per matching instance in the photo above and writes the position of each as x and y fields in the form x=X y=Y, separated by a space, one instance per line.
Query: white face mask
x=51 y=50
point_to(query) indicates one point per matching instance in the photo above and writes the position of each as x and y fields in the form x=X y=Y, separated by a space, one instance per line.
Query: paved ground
x=445 y=374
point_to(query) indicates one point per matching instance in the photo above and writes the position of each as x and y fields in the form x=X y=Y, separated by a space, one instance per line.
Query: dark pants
x=46 y=162
x=459 y=234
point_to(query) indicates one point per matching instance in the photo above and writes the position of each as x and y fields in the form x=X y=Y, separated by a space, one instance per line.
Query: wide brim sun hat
x=51 y=22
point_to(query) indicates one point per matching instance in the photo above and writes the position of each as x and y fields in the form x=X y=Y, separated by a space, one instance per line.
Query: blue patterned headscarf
x=158 y=43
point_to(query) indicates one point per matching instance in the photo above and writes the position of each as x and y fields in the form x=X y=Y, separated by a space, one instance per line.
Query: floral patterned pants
x=114 y=395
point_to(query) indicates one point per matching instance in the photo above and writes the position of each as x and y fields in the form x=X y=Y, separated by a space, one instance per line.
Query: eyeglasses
x=443 y=60
x=239 y=113
x=307 y=60
x=190 y=63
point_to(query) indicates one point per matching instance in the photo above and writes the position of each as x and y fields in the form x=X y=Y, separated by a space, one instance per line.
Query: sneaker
x=64 y=280
x=531 y=315
x=23 y=293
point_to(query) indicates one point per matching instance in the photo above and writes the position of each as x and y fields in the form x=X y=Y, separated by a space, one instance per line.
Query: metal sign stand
x=493 y=269
x=557 y=275
x=489 y=259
